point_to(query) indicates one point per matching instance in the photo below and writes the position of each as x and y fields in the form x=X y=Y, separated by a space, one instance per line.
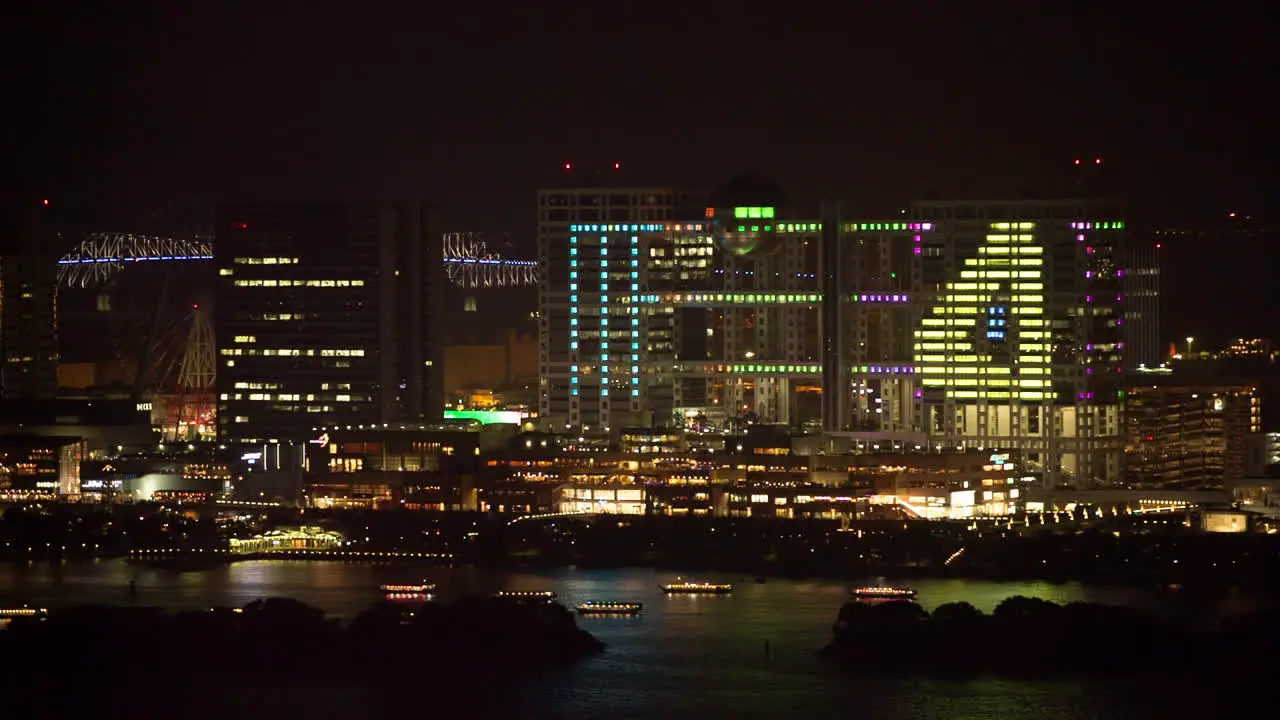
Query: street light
x=1189 y=341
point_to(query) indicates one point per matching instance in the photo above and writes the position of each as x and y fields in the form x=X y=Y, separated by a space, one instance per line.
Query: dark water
x=686 y=656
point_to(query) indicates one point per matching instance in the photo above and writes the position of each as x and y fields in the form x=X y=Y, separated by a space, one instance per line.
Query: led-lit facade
x=991 y=325
x=1021 y=335
x=591 y=244
x=324 y=316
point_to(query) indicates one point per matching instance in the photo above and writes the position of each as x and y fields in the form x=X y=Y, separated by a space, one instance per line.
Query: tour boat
x=691 y=588
x=10 y=613
x=422 y=589
x=609 y=608
x=884 y=593
x=526 y=595
x=407 y=596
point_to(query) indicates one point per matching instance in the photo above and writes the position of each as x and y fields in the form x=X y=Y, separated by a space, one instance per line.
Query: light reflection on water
x=686 y=655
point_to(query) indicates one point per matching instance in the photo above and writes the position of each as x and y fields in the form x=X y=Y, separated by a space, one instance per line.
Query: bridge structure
x=468 y=260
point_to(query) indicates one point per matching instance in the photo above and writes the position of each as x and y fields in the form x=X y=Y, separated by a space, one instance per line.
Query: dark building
x=325 y=317
x=1141 y=283
x=28 y=301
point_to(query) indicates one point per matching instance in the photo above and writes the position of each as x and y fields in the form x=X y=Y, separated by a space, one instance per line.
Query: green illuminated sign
x=486 y=417
x=765 y=213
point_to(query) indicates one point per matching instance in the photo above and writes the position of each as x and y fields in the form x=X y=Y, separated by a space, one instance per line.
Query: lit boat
x=609 y=608
x=11 y=613
x=407 y=596
x=526 y=595
x=690 y=588
x=422 y=589
x=884 y=593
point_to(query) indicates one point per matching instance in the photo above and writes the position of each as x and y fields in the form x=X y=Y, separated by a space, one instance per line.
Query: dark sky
x=124 y=107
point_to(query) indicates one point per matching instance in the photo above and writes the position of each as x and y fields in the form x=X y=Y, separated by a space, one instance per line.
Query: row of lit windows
x=294 y=352
x=285 y=397
x=299 y=283
x=266 y=261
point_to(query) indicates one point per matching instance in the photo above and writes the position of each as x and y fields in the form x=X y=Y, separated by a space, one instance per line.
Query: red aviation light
x=568 y=166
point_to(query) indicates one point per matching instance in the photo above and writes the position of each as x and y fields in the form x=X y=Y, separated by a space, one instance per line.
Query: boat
x=690 y=588
x=24 y=611
x=407 y=596
x=609 y=608
x=422 y=589
x=526 y=595
x=883 y=593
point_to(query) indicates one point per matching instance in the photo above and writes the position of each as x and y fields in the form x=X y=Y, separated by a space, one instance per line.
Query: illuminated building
x=325 y=316
x=33 y=465
x=610 y=499
x=1248 y=348
x=1021 y=341
x=991 y=325
x=1193 y=437
x=591 y=241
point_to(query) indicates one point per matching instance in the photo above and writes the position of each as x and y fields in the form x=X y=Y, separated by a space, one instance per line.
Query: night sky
x=124 y=108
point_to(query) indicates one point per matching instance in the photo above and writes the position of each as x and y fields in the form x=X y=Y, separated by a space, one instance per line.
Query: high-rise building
x=1185 y=436
x=590 y=244
x=29 y=329
x=1021 y=342
x=1141 y=273
x=325 y=317
x=28 y=302
x=994 y=325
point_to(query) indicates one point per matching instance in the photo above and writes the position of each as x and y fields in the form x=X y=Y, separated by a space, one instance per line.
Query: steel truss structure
x=467 y=260
x=470 y=264
x=102 y=255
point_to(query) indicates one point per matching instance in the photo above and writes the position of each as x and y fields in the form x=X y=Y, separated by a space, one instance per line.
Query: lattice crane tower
x=192 y=412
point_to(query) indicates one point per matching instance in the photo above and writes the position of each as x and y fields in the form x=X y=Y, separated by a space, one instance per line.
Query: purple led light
x=919 y=393
x=1079 y=238
x=917 y=238
x=1119 y=273
x=1089 y=346
x=1119 y=321
x=1088 y=371
x=1088 y=274
x=917 y=251
x=927 y=227
x=1088 y=298
x=1119 y=298
x=1080 y=396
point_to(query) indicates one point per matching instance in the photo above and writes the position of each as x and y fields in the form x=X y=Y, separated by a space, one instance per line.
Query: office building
x=28 y=301
x=1141 y=283
x=1021 y=341
x=590 y=243
x=325 y=317
x=986 y=326
x=29 y=326
x=1180 y=436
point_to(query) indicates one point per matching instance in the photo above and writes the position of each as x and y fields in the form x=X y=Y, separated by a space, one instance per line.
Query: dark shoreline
x=1029 y=638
